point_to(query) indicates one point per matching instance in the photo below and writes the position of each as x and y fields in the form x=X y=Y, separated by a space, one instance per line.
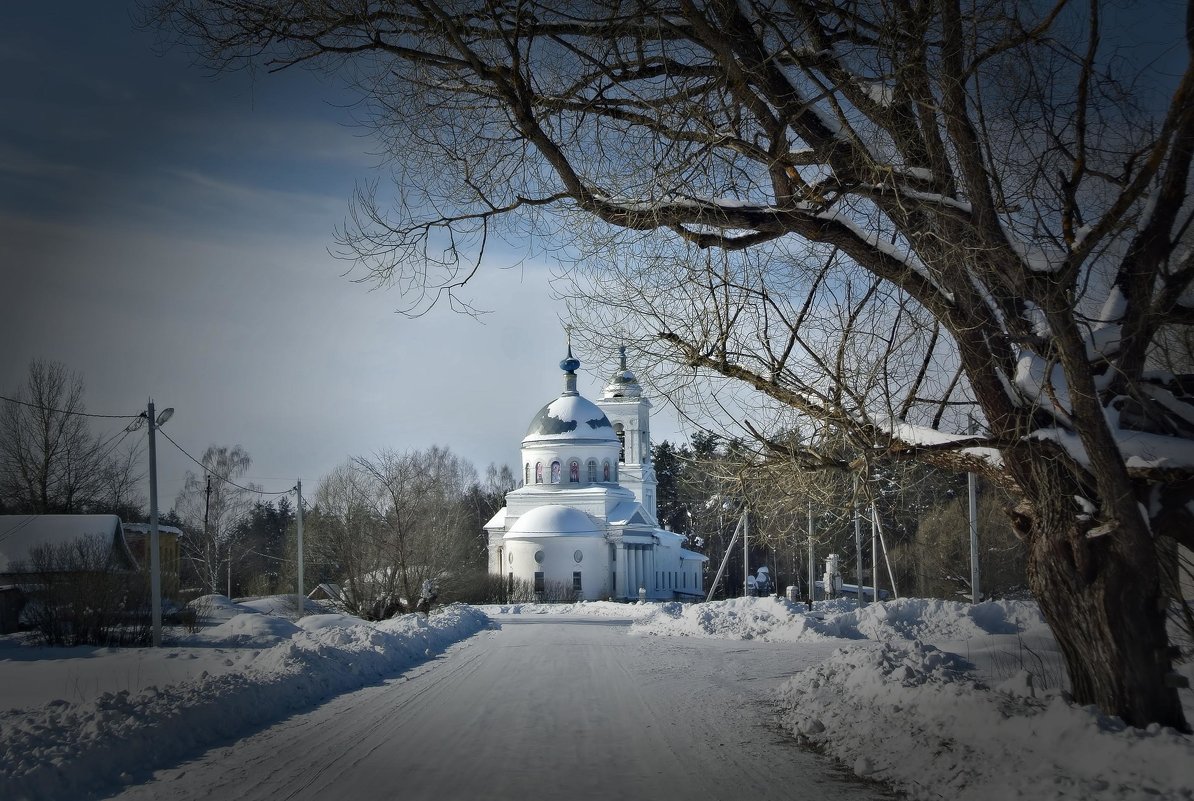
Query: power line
x=254 y=490
x=64 y=411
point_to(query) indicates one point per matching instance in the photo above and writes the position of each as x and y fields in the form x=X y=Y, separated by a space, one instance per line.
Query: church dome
x=553 y=520
x=570 y=417
x=623 y=383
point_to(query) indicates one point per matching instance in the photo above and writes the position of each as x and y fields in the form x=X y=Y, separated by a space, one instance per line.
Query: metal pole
x=858 y=544
x=972 y=486
x=155 y=560
x=725 y=560
x=895 y=593
x=874 y=550
x=745 y=550
x=299 y=521
x=206 y=541
x=812 y=566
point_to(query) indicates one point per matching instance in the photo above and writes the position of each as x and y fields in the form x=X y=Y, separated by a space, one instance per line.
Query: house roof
x=20 y=534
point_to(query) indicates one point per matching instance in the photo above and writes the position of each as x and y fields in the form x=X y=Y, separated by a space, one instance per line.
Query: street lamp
x=155 y=561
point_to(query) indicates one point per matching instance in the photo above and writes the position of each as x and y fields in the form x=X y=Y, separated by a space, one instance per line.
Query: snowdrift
x=65 y=750
x=910 y=715
x=779 y=620
x=981 y=715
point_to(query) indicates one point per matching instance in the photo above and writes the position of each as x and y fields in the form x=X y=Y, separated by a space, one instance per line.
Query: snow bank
x=990 y=722
x=65 y=750
x=780 y=620
x=587 y=608
x=909 y=714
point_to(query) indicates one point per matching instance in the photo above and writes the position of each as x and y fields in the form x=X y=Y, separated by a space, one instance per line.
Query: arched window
x=574 y=471
x=555 y=472
x=527 y=472
x=605 y=471
x=592 y=471
x=621 y=432
x=538 y=472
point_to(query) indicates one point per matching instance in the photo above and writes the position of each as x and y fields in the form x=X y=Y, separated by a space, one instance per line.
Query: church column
x=639 y=565
x=623 y=570
x=653 y=568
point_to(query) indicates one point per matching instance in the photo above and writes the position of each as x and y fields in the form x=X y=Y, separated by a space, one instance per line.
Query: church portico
x=583 y=525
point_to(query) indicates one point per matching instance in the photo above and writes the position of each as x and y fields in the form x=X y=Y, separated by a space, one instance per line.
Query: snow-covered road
x=543 y=707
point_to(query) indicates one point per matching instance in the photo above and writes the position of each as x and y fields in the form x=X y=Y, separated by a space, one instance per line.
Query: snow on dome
x=553 y=520
x=570 y=417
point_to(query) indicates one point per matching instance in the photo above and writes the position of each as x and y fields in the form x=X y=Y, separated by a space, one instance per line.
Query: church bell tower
x=630 y=414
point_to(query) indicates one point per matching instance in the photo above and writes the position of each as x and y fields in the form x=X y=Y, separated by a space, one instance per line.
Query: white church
x=585 y=515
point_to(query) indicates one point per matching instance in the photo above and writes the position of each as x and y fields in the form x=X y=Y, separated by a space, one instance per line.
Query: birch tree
x=213 y=506
x=888 y=215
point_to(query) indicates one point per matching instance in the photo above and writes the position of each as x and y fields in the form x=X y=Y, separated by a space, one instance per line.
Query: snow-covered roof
x=143 y=528
x=498 y=520
x=20 y=534
x=629 y=513
x=553 y=520
x=570 y=417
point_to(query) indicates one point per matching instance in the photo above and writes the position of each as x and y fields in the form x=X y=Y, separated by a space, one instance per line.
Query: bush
x=78 y=597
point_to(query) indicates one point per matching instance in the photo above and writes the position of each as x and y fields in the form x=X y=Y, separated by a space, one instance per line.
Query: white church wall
x=559 y=562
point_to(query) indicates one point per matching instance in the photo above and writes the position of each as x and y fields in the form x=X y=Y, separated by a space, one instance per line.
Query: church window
x=538 y=472
x=555 y=472
x=528 y=473
x=576 y=582
x=592 y=471
x=578 y=555
x=539 y=581
x=574 y=471
x=605 y=471
x=621 y=432
x=539 y=557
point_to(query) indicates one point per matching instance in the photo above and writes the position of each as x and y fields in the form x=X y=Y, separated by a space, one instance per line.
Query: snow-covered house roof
x=20 y=534
x=143 y=528
x=553 y=520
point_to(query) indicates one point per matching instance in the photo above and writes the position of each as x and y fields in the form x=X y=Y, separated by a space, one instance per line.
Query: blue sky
x=164 y=232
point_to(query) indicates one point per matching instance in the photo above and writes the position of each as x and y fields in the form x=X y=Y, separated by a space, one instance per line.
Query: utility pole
x=299 y=521
x=972 y=491
x=812 y=567
x=206 y=541
x=155 y=553
x=874 y=553
x=972 y=488
x=155 y=557
x=745 y=550
x=858 y=544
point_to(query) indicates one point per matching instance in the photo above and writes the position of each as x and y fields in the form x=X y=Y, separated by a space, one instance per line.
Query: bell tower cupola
x=629 y=411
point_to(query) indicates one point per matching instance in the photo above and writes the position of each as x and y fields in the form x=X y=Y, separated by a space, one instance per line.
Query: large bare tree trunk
x=1103 y=601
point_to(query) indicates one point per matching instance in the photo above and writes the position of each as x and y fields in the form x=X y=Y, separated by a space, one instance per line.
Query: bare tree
x=886 y=213
x=49 y=459
x=392 y=522
x=213 y=506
